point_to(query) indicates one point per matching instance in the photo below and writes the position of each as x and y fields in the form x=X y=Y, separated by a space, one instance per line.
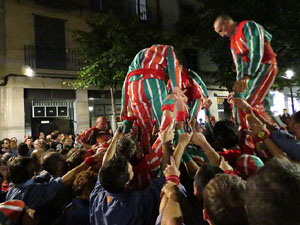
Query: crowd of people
x=162 y=166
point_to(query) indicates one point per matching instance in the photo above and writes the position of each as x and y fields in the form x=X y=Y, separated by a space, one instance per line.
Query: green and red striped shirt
x=250 y=47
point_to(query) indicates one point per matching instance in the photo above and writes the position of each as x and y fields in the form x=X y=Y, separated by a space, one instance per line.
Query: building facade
x=38 y=55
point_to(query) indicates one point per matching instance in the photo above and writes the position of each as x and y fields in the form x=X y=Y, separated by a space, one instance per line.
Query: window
x=50 y=46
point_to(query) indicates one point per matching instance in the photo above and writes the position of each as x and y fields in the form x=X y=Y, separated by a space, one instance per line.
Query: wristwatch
x=261 y=135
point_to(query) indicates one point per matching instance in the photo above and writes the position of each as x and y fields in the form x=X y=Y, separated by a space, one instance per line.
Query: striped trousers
x=257 y=94
x=146 y=97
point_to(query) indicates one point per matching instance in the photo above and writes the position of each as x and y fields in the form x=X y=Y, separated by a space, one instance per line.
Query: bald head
x=224 y=26
x=101 y=123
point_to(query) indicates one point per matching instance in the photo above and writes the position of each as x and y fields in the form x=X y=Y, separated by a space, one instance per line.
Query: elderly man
x=255 y=64
x=88 y=137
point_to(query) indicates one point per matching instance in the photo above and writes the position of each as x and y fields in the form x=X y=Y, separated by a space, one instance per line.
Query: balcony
x=129 y=8
x=50 y=59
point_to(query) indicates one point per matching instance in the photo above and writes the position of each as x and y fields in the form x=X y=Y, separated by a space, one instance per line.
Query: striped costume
x=144 y=87
x=195 y=91
x=88 y=136
x=254 y=56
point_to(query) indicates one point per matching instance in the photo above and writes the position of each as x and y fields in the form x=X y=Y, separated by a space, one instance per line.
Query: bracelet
x=180 y=116
x=168 y=104
x=173 y=178
x=238 y=95
x=129 y=118
x=90 y=161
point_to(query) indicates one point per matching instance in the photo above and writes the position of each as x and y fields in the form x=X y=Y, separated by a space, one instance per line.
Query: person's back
x=111 y=203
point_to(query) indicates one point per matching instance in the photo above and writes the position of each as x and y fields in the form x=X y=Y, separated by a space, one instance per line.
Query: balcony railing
x=52 y=58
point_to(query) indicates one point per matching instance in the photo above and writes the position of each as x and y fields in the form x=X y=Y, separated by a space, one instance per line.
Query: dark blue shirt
x=77 y=213
x=287 y=143
x=139 y=207
x=34 y=194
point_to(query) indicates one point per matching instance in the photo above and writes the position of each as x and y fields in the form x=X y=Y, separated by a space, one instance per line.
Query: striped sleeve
x=238 y=62
x=125 y=97
x=85 y=136
x=199 y=82
x=255 y=42
x=174 y=68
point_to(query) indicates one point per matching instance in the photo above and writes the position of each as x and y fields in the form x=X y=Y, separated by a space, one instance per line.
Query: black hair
x=114 y=174
x=23 y=149
x=226 y=133
x=20 y=169
x=204 y=175
x=127 y=148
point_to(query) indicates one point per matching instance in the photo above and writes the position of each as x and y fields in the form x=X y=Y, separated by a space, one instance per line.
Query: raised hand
x=167 y=135
x=172 y=169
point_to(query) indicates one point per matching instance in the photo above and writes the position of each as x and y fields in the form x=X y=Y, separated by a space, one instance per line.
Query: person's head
x=273 y=194
x=68 y=143
x=286 y=120
x=42 y=135
x=28 y=141
x=37 y=144
x=61 y=137
x=116 y=174
x=84 y=183
x=294 y=124
x=13 y=143
x=6 y=145
x=284 y=110
x=26 y=136
x=224 y=25
x=54 y=134
x=127 y=147
x=76 y=158
x=54 y=163
x=5 y=158
x=36 y=156
x=23 y=150
x=205 y=173
x=101 y=123
x=223 y=202
x=226 y=134
x=20 y=169
x=14 y=139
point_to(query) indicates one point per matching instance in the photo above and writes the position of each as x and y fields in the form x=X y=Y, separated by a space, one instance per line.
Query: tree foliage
x=280 y=18
x=108 y=48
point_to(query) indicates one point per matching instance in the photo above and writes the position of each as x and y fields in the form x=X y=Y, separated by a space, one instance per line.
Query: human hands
x=241 y=85
x=224 y=165
x=169 y=189
x=123 y=113
x=230 y=98
x=206 y=103
x=255 y=125
x=172 y=168
x=199 y=139
x=185 y=138
x=168 y=134
x=241 y=103
x=130 y=112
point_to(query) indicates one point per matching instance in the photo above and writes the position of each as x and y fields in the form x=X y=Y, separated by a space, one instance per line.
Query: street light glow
x=91 y=108
x=289 y=74
x=28 y=71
